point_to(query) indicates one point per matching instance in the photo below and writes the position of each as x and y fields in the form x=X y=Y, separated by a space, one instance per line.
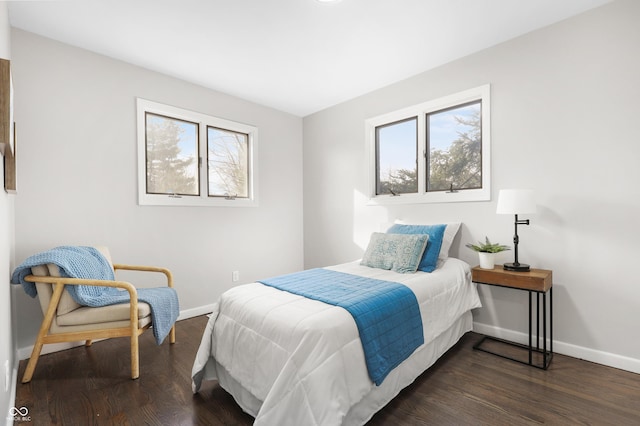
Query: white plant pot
x=487 y=260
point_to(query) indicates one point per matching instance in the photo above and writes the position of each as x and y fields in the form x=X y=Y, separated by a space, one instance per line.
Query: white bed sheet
x=289 y=360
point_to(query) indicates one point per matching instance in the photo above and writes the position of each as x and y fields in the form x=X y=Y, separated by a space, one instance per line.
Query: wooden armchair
x=67 y=321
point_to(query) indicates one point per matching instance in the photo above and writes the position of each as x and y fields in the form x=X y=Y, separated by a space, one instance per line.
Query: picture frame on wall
x=7 y=127
x=10 y=185
x=12 y=124
x=7 y=139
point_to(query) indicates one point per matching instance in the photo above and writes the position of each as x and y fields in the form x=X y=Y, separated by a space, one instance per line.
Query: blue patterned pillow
x=399 y=253
x=436 y=233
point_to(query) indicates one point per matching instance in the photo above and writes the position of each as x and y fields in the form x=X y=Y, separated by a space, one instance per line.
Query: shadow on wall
x=570 y=322
x=28 y=316
x=377 y=219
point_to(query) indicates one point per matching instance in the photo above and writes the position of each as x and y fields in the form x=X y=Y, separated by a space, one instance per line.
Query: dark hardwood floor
x=91 y=386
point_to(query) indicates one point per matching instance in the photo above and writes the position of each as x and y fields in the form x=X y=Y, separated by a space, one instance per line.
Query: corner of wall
x=8 y=358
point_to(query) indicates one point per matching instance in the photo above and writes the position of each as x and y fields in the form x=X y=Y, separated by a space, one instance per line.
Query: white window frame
x=203 y=120
x=481 y=93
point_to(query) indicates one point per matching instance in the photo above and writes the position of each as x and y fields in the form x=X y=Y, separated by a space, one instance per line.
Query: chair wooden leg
x=44 y=330
x=172 y=335
x=33 y=361
x=135 y=366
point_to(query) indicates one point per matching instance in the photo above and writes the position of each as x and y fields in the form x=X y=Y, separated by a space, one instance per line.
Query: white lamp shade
x=516 y=201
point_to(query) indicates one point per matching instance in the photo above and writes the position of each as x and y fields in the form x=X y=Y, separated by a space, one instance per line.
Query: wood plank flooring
x=91 y=386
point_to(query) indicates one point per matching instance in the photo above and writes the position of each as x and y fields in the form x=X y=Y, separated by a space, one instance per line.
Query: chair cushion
x=86 y=315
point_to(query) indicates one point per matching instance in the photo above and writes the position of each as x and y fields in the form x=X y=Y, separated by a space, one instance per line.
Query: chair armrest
x=82 y=281
x=60 y=282
x=142 y=268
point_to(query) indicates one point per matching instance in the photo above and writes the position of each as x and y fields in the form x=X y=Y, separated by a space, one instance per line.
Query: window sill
x=431 y=197
x=190 y=201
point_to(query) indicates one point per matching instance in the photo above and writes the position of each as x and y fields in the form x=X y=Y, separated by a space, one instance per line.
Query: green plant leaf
x=487 y=246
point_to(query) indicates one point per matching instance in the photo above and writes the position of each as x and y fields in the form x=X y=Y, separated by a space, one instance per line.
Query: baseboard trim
x=25 y=353
x=599 y=357
x=196 y=312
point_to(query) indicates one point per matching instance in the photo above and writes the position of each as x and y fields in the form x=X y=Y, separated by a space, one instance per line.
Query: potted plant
x=487 y=251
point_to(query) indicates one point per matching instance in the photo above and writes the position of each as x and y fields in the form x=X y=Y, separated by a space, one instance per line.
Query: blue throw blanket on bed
x=89 y=263
x=386 y=313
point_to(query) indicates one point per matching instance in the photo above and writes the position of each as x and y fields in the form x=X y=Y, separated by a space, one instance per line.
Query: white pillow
x=449 y=234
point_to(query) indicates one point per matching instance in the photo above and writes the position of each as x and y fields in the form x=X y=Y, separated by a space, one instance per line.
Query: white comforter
x=302 y=359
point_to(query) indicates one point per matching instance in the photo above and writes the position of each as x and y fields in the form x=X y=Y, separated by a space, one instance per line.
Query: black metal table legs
x=545 y=354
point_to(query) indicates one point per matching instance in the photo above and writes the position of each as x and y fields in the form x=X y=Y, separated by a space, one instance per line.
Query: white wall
x=565 y=104
x=77 y=174
x=7 y=246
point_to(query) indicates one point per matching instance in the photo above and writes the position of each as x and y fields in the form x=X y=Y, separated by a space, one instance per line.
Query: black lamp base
x=519 y=267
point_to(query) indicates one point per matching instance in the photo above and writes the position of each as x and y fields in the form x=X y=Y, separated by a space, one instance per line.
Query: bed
x=290 y=360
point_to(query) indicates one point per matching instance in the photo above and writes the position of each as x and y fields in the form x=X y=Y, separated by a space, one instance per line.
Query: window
x=438 y=151
x=454 y=148
x=172 y=156
x=192 y=159
x=228 y=163
x=397 y=157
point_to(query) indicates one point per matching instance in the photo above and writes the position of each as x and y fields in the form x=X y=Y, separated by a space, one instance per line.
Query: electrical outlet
x=235 y=276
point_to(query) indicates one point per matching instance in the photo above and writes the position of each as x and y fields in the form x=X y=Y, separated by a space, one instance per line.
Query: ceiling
x=298 y=56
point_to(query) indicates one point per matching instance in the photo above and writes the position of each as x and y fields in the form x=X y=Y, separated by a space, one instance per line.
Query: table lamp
x=516 y=201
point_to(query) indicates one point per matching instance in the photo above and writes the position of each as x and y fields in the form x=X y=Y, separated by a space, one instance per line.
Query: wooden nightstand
x=538 y=281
